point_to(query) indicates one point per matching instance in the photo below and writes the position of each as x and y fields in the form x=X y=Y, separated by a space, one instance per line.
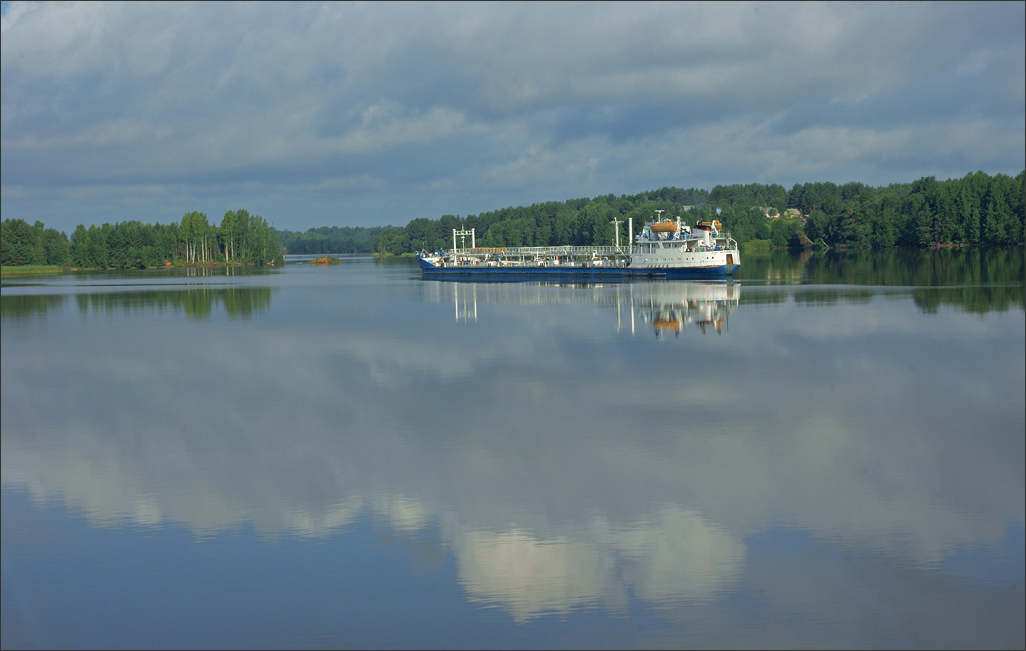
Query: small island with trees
x=325 y=261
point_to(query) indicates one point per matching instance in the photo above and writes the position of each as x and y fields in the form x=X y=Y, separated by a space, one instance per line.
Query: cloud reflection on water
x=567 y=463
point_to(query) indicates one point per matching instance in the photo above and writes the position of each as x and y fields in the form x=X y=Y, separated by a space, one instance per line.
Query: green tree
x=20 y=243
x=1000 y=225
x=55 y=247
x=393 y=241
x=196 y=235
x=89 y=248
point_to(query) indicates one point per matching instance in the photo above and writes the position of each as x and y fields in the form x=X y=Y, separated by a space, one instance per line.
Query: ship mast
x=463 y=235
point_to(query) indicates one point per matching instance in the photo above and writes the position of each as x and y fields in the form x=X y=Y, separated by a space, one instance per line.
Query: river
x=826 y=452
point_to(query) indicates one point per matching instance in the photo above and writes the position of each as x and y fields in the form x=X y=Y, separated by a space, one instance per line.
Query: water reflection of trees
x=975 y=300
x=198 y=303
x=25 y=307
x=977 y=280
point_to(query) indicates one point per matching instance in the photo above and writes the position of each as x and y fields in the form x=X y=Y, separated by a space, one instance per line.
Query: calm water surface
x=828 y=452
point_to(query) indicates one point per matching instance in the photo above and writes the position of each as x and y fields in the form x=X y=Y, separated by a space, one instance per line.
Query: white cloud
x=14 y=12
x=418 y=95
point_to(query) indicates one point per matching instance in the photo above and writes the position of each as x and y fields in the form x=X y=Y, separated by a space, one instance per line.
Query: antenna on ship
x=616 y=224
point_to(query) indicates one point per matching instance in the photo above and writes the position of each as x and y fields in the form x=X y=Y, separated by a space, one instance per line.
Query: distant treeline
x=331 y=239
x=977 y=209
x=241 y=238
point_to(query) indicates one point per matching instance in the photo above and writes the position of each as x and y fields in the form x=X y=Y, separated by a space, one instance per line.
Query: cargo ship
x=665 y=248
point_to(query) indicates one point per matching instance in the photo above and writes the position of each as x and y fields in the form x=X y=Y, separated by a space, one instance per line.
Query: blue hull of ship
x=510 y=274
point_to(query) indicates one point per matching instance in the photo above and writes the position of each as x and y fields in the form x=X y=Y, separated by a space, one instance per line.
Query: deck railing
x=542 y=250
x=564 y=250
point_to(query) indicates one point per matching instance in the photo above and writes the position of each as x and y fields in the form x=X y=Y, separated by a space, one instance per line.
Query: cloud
x=446 y=106
x=677 y=556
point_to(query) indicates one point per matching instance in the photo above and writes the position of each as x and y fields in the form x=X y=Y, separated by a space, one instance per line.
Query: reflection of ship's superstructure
x=668 y=307
x=665 y=306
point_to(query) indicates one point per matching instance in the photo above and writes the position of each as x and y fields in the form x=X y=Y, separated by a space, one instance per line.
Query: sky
x=370 y=114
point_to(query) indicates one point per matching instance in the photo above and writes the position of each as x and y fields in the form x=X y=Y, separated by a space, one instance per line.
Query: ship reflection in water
x=669 y=307
x=661 y=307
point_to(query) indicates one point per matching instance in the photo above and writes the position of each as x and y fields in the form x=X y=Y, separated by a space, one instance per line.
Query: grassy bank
x=8 y=270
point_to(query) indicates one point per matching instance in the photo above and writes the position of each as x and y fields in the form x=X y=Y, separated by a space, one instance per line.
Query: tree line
x=331 y=239
x=976 y=210
x=241 y=238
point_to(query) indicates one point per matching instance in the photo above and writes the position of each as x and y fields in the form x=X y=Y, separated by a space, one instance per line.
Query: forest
x=975 y=210
x=241 y=238
x=331 y=239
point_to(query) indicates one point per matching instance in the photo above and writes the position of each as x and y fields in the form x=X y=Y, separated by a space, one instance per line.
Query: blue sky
x=365 y=114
